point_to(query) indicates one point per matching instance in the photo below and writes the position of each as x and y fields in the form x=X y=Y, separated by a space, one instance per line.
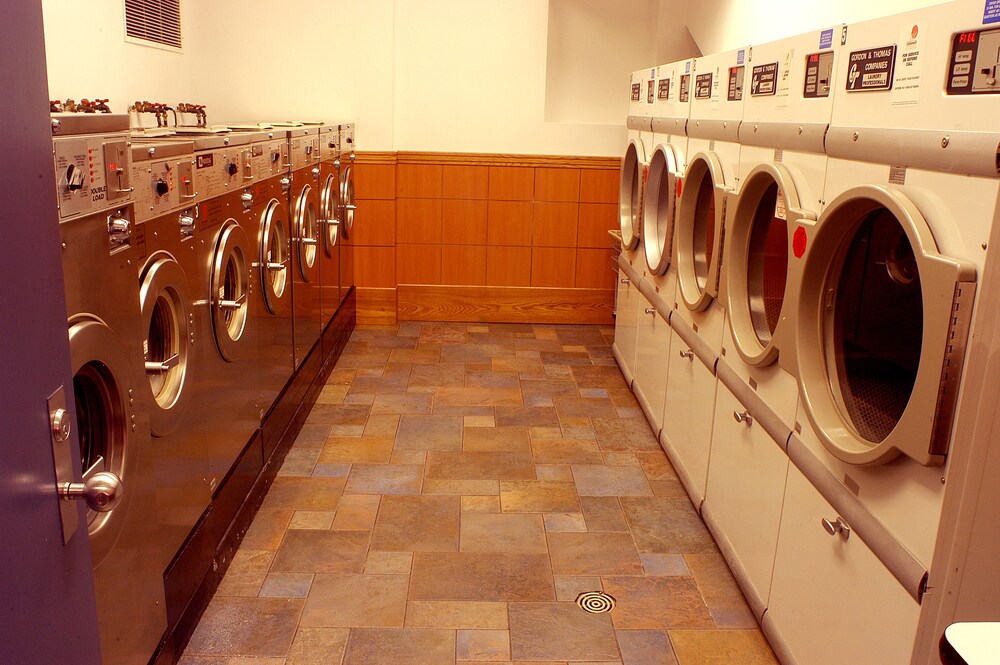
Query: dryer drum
x=630 y=194
x=274 y=256
x=305 y=230
x=230 y=287
x=704 y=231
x=346 y=203
x=767 y=266
x=659 y=208
x=877 y=324
x=328 y=207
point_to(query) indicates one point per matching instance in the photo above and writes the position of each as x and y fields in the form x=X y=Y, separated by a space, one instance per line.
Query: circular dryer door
x=306 y=234
x=659 y=207
x=759 y=248
x=230 y=289
x=164 y=296
x=346 y=202
x=631 y=186
x=104 y=420
x=699 y=231
x=880 y=330
x=328 y=207
x=274 y=257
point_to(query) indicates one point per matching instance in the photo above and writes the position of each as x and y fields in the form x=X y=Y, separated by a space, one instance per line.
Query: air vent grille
x=157 y=21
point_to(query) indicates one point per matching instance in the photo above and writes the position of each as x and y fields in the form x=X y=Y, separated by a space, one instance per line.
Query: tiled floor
x=454 y=490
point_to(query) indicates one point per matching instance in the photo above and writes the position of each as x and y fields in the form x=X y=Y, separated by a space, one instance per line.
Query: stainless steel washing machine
x=347 y=208
x=329 y=222
x=91 y=160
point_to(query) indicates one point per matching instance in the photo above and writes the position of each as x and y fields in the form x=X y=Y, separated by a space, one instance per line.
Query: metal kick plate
x=63 y=461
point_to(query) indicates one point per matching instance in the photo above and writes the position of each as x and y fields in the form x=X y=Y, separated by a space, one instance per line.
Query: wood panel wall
x=482 y=220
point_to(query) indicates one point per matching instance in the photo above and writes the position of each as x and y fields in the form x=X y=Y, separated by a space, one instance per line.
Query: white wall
x=88 y=57
x=721 y=25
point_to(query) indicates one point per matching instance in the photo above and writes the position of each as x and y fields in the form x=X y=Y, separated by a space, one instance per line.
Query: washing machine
x=887 y=299
x=329 y=222
x=632 y=180
x=97 y=228
x=786 y=113
x=663 y=184
x=166 y=288
x=347 y=207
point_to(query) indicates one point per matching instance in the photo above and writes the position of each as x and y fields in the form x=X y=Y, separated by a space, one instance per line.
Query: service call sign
x=871 y=69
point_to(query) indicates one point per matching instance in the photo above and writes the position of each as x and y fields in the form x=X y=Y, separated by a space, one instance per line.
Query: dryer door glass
x=767 y=266
x=347 y=204
x=630 y=195
x=305 y=228
x=328 y=206
x=163 y=299
x=274 y=259
x=875 y=335
x=659 y=208
x=704 y=230
x=230 y=288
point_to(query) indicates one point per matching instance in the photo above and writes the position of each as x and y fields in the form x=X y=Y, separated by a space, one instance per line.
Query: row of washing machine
x=201 y=274
x=803 y=225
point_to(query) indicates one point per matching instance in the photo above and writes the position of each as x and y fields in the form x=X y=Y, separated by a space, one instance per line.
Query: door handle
x=744 y=417
x=165 y=366
x=101 y=492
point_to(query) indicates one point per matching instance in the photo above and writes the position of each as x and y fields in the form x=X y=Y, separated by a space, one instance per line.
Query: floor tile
x=331 y=471
x=664 y=565
x=665 y=526
x=558 y=472
x=439 y=375
x=569 y=587
x=461 y=487
x=246 y=626
x=423 y=432
x=515 y=364
x=646 y=647
x=598 y=377
x=483 y=532
x=329 y=414
x=538 y=496
x=480 y=421
x=442 y=333
x=551 y=388
x=304 y=494
x=598 y=480
x=720 y=591
x=473 y=396
x=496 y=439
x=656 y=466
x=356 y=450
x=416 y=356
x=566 y=451
x=400 y=404
x=483 y=645
x=286 y=585
x=584 y=407
x=384 y=479
x=565 y=522
x=490 y=379
x=657 y=603
x=621 y=459
x=396 y=646
x=593 y=554
x=527 y=416
x=456 y=614
x=381 y=425
x=624 y=435
x=356 y=512
x=305 y=551
x=296 y=467
x=388 y=563
x=481 y=504
x=312 y=519
x=417 y=524
x=603 y=513
x=476 y=465
x=267 y=529
x=560 y=631
x=246 y=573
x=481 y=576
x=352 y=601
x=318 y=646
x=721 y=647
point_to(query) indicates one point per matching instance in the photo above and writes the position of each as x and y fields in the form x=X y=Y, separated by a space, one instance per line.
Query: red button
x=799 y=240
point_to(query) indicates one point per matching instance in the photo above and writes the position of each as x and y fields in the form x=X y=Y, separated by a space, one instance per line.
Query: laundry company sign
x=871 y=69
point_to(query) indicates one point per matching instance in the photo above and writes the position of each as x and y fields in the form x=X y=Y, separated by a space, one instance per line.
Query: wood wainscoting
x=484 y=237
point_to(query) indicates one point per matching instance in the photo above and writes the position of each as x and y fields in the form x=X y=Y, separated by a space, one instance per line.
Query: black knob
x=275 y=156
x=161 y=187
x=231 y=168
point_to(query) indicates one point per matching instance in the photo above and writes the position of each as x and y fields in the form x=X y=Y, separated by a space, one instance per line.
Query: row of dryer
x=201 y=274
x=803 y=223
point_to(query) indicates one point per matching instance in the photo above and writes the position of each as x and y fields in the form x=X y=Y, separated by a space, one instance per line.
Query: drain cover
x=596 y=602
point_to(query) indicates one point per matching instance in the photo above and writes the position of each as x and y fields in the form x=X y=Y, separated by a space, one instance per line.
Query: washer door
x=104 y=425
x=164 y=297
x=330 y=224
x=230 y=289
x=660 y=206
x=630 y=191
x=347 y=205
x=759 y=243
x=274 y=257
x=883 y=321
x=305 y=233
x=699 y=231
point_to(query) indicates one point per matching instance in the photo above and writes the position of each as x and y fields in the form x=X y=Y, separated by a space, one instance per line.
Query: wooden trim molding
x=376 y=307
x=487 y=159
x=503 y=304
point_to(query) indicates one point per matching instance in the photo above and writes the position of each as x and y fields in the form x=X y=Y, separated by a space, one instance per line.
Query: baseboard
x=504 y=304
x=376 y=307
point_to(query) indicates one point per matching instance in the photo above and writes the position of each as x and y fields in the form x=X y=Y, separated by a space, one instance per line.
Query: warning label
x=636 y=92
x=991 y=12
x=685 y=87
x=871 y=69
x=663 y=89
x=906 y=91
x=763 y=79
x=703 y=86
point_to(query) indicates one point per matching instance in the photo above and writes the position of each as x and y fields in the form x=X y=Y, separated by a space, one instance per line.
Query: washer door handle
x=689 y=354
x=101 y=492
x=163 y=366
x=744 y=417
x=839 y=526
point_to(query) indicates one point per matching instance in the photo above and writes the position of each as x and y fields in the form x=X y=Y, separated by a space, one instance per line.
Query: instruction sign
x=703 y=86
x=991 y=12
x=663 y=89
x=636 y=92
x=906 y=91
x=763 y=79
x=871 y=69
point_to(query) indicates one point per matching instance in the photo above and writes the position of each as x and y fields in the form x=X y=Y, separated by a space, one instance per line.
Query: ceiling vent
x=154 y=21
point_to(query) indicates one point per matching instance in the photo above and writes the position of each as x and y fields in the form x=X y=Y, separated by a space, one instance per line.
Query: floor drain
x=596 y=602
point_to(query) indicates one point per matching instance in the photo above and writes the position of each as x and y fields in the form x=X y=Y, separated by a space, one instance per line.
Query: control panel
x=92 y=173
x=267 y=158
x=347 y=138
x=974 y=61
x=819 y=71
x=221 y=171
x=304 y=150
x=157 y=188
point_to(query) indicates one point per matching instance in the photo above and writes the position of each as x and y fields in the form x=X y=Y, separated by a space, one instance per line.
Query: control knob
x=231 y=168
x=161 y=187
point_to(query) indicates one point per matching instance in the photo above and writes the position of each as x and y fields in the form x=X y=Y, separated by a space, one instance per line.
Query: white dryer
x=888 y=295
x=635 y=163
x=782 y=169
